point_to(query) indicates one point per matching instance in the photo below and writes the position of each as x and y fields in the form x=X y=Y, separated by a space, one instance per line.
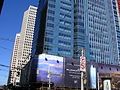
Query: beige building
x=25 y=44
x=14 y=60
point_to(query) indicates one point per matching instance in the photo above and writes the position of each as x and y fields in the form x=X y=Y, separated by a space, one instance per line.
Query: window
x=64 y=42
x=50 y=25
x=65 y=4
x=53 y=0
x=51 y=11
x=62 y=21
x=65 y=28
x=67 y=23
x=65 y=10
x=64 y=35
x=47 y=47
x=61 y=49
x=51 y=5
x=50 y=18
x=48 y=39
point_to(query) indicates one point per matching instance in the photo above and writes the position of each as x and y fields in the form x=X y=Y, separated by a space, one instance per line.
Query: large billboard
x=72 y=73
x=52 y=66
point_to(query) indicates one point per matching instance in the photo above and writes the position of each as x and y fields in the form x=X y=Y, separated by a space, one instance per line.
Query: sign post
x=82 y=68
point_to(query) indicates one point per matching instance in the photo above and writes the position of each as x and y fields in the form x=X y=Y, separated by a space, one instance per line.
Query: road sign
x=82 y=64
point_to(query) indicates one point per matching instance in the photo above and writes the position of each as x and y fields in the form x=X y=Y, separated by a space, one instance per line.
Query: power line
x=6 y=39
x=1 y=75
x=5 y=48
x=4 y=65
x=4 y=70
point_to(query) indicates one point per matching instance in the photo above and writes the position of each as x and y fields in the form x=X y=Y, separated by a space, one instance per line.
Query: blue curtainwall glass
x=54 y=28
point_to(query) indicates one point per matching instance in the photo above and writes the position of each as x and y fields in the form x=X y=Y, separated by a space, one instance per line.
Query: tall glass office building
x=80 y=29
x=118 y=30
x=54 y=28
x=64 y=27
x=96 y=21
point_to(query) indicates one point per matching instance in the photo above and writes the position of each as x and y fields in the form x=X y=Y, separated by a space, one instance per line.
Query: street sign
x=82 y=64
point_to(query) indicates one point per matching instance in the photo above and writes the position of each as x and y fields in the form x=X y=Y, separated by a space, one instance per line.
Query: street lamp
x=50 y=73
x=49 y=76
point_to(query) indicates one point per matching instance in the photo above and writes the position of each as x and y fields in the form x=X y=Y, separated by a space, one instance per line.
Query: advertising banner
x=82 y=64
x=72 y=73
x=93 y=77
x=50 y=64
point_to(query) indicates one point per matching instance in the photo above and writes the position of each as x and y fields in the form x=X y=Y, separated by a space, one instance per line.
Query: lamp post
x=50 y=73
x=49 y=76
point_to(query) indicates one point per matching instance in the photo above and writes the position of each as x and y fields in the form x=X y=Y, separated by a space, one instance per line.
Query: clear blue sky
x=10 y=24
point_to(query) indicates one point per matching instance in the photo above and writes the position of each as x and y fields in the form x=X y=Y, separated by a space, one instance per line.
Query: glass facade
x=67 y=26
x=58 y=27
x=96 y=24
x=80 y=33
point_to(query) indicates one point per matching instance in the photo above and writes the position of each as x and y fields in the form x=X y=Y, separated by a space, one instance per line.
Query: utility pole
x=82 y=68
x=82 y=85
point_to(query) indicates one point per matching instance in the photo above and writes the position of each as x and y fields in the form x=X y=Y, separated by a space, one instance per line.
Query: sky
x=10 y=24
